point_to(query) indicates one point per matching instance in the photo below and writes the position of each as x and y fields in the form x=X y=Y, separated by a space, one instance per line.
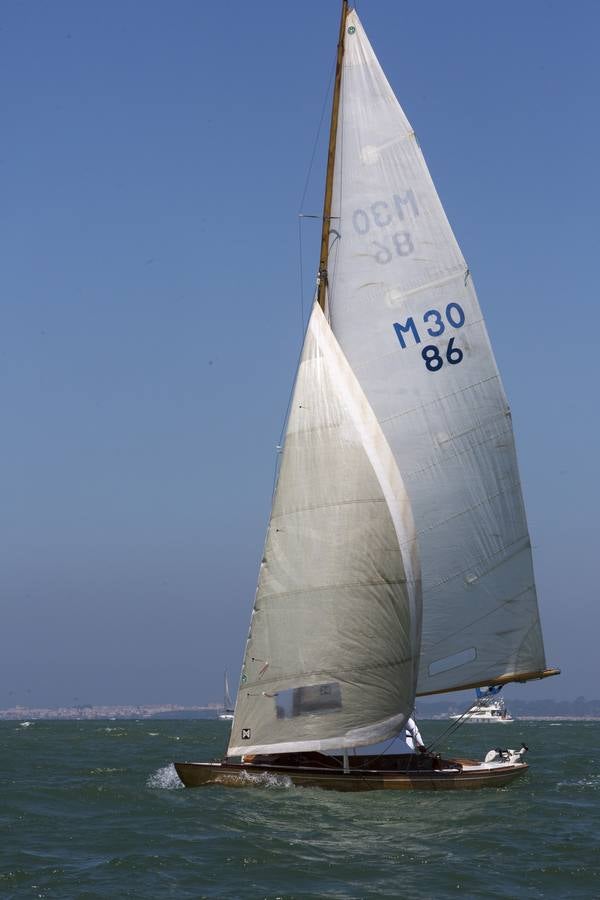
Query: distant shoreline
x=142 y=711
x=211 y=711
x=521 y=718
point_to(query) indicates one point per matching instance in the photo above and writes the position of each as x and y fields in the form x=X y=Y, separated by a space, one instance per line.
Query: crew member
x=412 y=738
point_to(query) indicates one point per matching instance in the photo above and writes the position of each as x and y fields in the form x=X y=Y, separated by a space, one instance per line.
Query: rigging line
x=317 y=136
x=454 y=725
x=305 y=190
x=371 y=762
x=301 y=216
x=483 y=701
x=300 y=254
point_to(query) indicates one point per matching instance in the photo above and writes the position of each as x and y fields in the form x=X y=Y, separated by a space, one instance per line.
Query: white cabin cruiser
x=495 y=711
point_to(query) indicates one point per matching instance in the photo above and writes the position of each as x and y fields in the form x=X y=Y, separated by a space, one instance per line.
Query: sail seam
x=486 y=615
x=464 y=451
x=438 y=400
x=312 y=429
x=469 y=509
x=337 y=503
x=403 y=295
x=329 y=587
x=522 y=543
x=500 y=416
x=328 y=673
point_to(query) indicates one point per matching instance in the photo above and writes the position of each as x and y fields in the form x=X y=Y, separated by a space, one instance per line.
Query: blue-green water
x=93 y=809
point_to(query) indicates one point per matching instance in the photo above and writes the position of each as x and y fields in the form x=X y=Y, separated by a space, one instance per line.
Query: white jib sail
x=404 y=310
x=332 y=653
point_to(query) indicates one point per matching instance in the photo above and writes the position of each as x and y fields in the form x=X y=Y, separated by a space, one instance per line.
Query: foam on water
x=165 y=779
x=266 y=779
x=591 y=781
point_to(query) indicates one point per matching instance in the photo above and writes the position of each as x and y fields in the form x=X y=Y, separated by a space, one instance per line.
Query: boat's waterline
x=477 y=719
x=462 y=776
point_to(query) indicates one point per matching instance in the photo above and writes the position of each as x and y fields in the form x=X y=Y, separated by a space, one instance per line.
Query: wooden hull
x=466 y=776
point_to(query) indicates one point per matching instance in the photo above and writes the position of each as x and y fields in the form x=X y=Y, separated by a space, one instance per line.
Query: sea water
x=95 y=809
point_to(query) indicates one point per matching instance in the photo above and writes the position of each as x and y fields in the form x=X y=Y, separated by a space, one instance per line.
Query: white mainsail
x=332 y=654
x=404 y=310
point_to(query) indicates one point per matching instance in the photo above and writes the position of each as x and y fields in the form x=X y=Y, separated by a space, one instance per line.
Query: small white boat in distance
x=494 y=711
x=226 y=713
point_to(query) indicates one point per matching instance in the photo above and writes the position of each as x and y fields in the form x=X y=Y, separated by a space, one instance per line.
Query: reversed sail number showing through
x=380 y=215
x=454 y=316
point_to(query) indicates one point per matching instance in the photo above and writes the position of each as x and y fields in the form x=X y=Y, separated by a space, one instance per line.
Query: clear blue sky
x=152 y=161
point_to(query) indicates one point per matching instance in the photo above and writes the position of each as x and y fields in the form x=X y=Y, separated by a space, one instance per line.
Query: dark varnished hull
x=468 y=776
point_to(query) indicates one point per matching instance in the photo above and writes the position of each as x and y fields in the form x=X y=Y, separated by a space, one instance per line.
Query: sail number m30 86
x=454 y=316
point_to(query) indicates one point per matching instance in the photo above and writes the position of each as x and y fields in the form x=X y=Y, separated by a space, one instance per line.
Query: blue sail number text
x=454 y=316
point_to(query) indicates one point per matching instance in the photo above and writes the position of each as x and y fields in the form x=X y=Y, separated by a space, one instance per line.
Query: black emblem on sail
x=245 y=734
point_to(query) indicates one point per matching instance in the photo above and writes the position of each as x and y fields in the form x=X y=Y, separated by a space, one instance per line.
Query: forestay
x=332 y=653
x=404 y=310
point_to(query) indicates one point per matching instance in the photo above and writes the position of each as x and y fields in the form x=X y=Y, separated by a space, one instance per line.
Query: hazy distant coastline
x=578 y=709
x=144 y=711
x=543 y=710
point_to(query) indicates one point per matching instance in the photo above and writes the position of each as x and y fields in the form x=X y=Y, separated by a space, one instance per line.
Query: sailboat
x=397 y=560
x=226 y=713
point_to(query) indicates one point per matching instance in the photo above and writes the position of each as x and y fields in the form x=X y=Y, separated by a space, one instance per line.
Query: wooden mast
x=323 y=259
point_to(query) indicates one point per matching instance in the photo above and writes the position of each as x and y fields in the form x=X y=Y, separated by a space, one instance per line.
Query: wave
x=165 y=779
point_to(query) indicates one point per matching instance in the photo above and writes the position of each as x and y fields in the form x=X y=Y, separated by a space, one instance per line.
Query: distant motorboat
x=490 y=711
x=226 y=713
